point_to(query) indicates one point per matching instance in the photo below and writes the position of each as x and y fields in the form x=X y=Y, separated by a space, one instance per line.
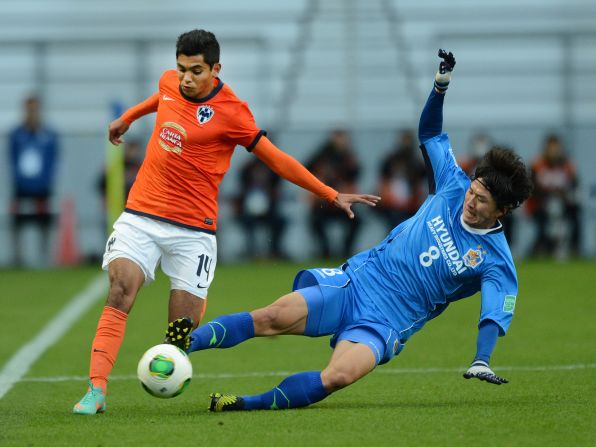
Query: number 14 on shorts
x=203 y=269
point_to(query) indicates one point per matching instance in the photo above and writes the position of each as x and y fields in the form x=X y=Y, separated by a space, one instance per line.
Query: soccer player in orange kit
x=171 y=212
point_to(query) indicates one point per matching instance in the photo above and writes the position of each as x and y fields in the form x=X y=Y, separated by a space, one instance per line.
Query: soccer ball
x=164 y=371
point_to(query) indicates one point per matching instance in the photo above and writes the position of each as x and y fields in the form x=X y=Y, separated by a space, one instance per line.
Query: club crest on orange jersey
x=204 y=114
x=473 y=258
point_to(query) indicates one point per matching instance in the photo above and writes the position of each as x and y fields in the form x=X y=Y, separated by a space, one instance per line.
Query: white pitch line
x=287 y=373
x=21 y=361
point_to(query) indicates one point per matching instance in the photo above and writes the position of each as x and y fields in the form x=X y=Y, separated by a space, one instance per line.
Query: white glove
x=480 y=370
x=443 y=76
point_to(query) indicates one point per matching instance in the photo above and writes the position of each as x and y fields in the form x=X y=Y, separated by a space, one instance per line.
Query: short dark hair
x=199 y=41
x=506 y=176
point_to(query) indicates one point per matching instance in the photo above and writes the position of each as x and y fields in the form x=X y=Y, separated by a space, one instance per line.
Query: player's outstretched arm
x=431 y=118
x=119 y=126
x=292 y=170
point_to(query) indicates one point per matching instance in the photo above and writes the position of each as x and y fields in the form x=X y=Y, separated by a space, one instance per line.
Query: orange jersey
x=189 y=152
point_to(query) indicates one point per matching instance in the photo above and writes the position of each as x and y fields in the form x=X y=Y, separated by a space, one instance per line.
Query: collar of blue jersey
x=481 y=231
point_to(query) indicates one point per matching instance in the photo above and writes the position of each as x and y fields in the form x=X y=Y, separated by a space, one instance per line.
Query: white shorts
x=188 y=257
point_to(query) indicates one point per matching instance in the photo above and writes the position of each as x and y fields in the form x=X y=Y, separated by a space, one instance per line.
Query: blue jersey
x=33 y=156
x=434 y=258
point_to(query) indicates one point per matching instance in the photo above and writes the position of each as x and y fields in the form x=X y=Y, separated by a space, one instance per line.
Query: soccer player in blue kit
x=452 y=248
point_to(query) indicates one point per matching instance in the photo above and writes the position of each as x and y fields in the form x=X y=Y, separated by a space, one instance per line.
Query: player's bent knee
x=266 y=321
x=334 y=379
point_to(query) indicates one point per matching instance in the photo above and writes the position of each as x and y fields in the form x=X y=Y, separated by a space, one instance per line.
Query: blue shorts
x=333 y=310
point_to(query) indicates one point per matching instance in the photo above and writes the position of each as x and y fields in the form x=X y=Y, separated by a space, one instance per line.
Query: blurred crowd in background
x=33 y=152
x=338 y=85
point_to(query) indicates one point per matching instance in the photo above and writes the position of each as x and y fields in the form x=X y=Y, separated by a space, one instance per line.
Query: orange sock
x=202 y=312
x=105 y=347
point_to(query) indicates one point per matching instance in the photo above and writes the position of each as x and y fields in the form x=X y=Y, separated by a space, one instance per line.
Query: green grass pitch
x=419 y=398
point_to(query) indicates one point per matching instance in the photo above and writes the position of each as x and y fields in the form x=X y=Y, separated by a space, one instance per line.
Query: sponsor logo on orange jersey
x=172 y=137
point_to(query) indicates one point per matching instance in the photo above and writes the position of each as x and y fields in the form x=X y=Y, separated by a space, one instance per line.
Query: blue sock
x=299 y=390
x=488 y=333
x=223 y=332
